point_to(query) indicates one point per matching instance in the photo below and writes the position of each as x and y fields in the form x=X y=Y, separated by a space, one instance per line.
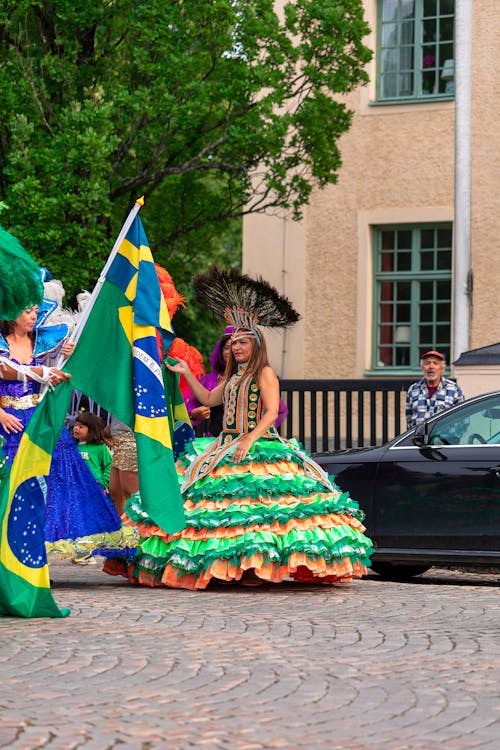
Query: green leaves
x=185 y=102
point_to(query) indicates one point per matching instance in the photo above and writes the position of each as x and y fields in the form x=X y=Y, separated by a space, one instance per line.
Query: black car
x=432 y=495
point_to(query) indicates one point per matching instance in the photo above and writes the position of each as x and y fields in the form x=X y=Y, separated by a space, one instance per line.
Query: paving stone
x=369 y=665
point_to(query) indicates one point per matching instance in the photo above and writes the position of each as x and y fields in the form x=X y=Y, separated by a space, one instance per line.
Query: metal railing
x=326 y=415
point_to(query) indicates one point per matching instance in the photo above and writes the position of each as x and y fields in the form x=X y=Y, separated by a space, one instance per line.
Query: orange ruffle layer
x=299 y=566
x=222 y=532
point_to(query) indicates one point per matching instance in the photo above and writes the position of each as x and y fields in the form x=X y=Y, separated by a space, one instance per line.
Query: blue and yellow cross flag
x=117 y=364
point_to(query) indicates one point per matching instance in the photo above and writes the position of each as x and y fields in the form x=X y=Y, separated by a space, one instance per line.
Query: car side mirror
x=421 y=435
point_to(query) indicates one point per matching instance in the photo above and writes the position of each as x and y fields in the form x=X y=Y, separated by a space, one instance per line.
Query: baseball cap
x=433 y=353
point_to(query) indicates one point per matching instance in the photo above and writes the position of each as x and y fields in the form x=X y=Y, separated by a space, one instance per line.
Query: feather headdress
x=20 y=283
x=242 y=301
x=172 y=297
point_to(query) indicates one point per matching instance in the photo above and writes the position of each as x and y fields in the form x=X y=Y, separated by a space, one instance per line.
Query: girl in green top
x=88 y=433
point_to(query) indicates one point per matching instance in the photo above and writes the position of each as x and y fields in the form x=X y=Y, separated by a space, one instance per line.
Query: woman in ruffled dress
x=258 y=507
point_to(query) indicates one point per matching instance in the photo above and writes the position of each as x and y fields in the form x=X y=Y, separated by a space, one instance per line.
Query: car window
x=474 y=424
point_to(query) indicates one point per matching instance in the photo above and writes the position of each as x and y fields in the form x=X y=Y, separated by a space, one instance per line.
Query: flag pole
x=102 y=276
x=75 y=335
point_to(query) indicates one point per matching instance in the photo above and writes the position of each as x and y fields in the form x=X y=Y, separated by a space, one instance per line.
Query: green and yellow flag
x=116 y=363
x=24 y=573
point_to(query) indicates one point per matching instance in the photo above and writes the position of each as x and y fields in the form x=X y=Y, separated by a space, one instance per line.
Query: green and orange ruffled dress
x=276 y=513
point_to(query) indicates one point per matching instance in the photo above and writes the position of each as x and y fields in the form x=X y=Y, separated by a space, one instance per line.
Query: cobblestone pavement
x=370 y=665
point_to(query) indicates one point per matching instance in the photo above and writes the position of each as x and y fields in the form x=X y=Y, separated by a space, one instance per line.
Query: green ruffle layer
x=194 y=556
x=258 y=513
x=250 y=485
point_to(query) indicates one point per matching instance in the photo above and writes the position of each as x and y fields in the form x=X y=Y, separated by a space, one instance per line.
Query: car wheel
x=398 y=572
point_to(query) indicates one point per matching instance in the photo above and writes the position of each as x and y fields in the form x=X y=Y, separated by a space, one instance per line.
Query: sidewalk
x=369 y=665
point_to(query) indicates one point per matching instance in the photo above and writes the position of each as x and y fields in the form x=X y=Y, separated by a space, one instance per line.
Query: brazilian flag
x=116 y=363
x=24 y=573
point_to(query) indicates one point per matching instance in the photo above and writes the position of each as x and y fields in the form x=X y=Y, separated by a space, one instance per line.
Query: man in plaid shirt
x=433 y=393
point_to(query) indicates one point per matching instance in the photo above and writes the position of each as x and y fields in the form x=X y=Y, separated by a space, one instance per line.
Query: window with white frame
x=415 y=49
x=412 y=295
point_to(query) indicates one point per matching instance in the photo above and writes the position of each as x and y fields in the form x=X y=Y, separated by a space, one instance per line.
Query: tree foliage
x=210 y=108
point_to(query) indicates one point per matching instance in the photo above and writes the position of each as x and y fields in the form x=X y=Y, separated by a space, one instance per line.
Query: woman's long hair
x=258 y=358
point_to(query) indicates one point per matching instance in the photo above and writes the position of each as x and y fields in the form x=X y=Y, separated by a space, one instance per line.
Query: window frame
x=415 y=277
x=418 y=97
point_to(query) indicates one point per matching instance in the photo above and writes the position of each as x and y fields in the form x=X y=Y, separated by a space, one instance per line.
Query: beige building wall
x=274 y=248
x=398 y=167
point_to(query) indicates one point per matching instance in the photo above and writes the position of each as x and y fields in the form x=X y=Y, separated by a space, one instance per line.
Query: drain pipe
x=462 y=272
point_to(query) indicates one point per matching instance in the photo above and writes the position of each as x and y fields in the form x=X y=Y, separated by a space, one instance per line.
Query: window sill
x=412 y=100
x=398 y=372
x=392 y=372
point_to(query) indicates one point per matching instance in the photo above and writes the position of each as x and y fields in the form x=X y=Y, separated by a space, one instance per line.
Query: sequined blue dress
x=76 y=506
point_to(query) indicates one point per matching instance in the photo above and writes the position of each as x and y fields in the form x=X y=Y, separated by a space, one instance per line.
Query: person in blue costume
x=76 y=506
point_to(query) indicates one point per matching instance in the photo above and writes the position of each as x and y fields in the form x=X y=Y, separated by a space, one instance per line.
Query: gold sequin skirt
x=124 y=452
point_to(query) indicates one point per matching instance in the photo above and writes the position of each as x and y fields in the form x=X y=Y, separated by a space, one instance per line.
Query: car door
x=445 y=495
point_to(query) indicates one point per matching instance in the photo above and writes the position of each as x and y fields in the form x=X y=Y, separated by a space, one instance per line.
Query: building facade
x=371 y=267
